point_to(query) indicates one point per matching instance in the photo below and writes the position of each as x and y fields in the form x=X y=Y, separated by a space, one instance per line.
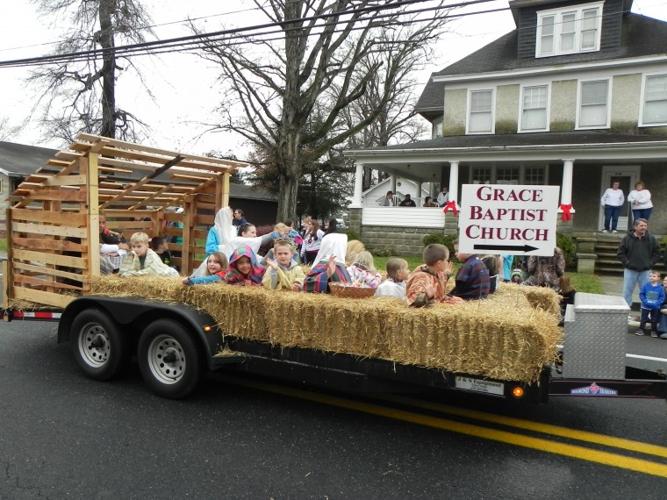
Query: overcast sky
x=185 y=87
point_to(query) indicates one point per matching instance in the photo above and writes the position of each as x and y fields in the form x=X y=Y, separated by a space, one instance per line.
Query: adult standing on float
x=638 y=252
x=612 y=200
x=640 y=202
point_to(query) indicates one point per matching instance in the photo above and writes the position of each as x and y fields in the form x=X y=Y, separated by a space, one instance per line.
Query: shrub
x=569 y=248
x=442 y=239
x=352 y=235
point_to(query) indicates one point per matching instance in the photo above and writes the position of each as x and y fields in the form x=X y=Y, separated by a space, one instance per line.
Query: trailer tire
x=97 y=344
x=169 y=359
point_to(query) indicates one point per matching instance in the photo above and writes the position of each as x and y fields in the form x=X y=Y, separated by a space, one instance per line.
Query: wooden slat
x=73 y=232
x=66 y=180
x=50 y=271
x=22 y=279
x=173 y=216
x=55 y=194
x=114 y=224
x=41 y=297
x=49 y=258
x=113 y=212
x=32 y=215
x=93 y=201
x=48 y=244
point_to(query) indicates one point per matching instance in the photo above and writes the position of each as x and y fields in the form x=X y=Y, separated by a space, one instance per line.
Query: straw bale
x=509 y=336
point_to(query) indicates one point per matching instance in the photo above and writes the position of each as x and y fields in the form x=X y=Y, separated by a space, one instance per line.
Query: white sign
x=508 y=219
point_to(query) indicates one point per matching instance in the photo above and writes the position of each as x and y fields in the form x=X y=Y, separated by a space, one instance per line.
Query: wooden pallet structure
x=53 y=224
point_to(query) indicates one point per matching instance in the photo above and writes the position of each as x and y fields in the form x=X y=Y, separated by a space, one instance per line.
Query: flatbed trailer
x=175 y=345
x=53 y=235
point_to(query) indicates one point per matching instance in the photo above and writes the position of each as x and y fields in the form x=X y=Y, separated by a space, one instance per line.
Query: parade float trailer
x=507 y=346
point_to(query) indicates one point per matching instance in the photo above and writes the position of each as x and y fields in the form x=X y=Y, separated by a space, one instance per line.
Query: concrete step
x=609 y=270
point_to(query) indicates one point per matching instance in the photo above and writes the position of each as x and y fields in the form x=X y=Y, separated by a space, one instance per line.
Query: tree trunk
x=287 y=197
x=106 y=41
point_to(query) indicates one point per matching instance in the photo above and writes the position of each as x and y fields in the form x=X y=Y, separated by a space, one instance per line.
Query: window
x=654 y=111
x=534 y=175
x=593 y=104
x=437 y=127
x=481 y=175
x=480 y=117
x=534 y=102
x=508 y=174
x=569 y=30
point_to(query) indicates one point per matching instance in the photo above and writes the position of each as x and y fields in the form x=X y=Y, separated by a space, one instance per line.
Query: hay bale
x=509 y=336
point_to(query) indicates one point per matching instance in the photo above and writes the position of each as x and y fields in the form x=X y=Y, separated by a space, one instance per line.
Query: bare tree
x=279 y=85
x=80 y=95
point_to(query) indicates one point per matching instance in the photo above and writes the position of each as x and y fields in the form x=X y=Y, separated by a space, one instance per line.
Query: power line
x=199 y=39
x=151 y=26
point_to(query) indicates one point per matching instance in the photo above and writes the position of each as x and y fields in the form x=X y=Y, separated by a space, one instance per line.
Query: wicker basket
x=350 y=292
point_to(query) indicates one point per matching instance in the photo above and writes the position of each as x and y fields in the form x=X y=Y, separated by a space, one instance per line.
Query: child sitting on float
x=428 y=283
x=142 y=261
x=362 y=271
x=243 y=268
x=329 y=265
x=283 y=273
x=394 y=285
x=216 y=268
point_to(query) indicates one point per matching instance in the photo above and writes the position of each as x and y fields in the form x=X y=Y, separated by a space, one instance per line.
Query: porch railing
x=403 y=217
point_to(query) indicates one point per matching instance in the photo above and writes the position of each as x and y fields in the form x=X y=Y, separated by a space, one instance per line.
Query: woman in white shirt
x=640 y=202
x=612 y=200
x=312 y=239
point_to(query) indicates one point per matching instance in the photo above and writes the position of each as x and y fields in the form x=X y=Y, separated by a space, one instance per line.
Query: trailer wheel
x=97 y=344
x=169 y=359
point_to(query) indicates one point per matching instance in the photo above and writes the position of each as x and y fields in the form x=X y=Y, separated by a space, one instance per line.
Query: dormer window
x=569 y=30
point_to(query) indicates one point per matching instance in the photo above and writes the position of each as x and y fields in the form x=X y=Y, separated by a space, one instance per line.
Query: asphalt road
x=65 y=436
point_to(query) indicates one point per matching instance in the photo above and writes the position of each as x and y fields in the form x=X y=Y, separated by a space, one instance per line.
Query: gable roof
x=22 y=160
x=640 y=36
x=19 y=160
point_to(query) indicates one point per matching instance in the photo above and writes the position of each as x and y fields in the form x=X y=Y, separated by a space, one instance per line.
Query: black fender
x=133 y=315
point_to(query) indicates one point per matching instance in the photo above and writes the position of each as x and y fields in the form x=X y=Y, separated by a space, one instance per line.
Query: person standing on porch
x=612 y=200
x=638 y=252
x=640 y=202
x=389 y=200
x=443 y=197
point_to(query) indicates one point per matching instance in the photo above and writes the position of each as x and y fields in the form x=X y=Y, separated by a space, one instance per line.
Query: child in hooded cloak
x=244 y=269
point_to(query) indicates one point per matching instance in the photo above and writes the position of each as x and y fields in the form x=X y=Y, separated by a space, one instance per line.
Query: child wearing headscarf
x=329 y=265
x=243 y=268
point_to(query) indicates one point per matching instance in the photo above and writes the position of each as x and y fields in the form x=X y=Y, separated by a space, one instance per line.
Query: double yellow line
x=536 y=443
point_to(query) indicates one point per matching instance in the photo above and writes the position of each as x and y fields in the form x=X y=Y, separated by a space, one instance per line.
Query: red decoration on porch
x=451 y=205
x=566 y=208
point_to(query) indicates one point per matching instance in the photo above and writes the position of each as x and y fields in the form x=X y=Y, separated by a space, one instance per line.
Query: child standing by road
x=652 y=295
x=283 y=273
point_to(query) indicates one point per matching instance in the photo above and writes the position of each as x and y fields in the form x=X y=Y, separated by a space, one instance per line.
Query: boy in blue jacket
x=652 y=295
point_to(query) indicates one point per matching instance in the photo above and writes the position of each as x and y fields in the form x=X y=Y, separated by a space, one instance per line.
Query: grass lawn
x=582 y=282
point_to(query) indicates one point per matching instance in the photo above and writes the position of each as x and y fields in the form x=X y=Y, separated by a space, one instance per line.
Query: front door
x=627 y=176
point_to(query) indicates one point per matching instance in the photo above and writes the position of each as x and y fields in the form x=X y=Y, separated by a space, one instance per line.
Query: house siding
x=563 y=106
x=626 y=91
x=455 y=111
x=4 y=201
x=507 y=106
x=527 y=26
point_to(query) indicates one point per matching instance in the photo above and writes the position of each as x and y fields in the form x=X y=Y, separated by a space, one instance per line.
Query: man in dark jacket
x=638 y=252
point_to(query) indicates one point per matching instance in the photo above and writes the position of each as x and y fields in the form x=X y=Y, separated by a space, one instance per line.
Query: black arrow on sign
x=507 y=248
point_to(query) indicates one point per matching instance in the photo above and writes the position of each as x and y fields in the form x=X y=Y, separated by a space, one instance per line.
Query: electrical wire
x=200 y=39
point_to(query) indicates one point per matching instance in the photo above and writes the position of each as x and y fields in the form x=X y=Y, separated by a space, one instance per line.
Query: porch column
x=566 y=208
x=393 y=184
x=453 y=202
x=358 y=185
x=419 y=193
